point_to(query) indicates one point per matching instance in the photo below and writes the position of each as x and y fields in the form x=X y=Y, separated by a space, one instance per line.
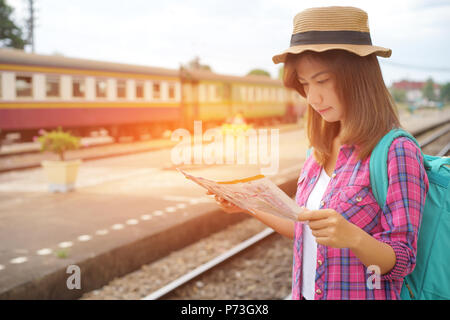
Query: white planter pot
x=61 y=175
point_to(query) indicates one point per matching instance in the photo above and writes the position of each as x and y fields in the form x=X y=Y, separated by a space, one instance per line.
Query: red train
x=44 y=92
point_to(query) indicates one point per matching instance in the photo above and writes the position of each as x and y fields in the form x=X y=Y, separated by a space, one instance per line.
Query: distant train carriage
x=261 y=100
x=44 y=92
x=40 y=91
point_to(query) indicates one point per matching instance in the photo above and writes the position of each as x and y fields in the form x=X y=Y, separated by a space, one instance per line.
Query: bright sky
x=233 y=36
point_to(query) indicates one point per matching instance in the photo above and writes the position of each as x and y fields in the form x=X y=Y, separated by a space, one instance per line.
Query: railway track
x=25 y=148
x=260 y=266
x=29 y=157
x=185 y=288
x=436 y=141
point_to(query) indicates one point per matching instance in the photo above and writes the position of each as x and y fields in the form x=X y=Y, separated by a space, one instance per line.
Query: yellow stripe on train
x=82 y=104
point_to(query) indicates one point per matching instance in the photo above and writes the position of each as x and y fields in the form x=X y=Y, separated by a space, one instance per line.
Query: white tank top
x=309 y=242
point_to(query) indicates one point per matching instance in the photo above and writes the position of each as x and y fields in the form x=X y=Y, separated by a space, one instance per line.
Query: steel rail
x=209 y=265
x=435 y=136
x=444 y=150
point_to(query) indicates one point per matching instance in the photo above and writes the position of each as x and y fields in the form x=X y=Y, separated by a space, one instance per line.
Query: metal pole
x=31 y=25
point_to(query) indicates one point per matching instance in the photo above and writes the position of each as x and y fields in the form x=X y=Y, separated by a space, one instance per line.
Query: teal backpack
x=430 y=279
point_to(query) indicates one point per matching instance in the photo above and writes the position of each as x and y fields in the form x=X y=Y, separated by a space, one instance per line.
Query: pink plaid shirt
x=339 y=273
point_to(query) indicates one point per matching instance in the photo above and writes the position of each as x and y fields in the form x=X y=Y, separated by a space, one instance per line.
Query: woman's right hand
x=225 y=205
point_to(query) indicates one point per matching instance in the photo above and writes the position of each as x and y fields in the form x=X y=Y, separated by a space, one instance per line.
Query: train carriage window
x=281 y=94
x=226 y=92
x=121 y=89
x=212 y=92
x=266 y=94
x=156 y=90
x=235 y=96
x=52 y=88
x=244 y=96
x=219 y=92
x=187 y=92
x=273 y=94
x=171 y=90
x=139 y=90
x=258 y=93
x=24 y=86
x=78 y=88
x=100 y=88
x=202 y=91
x=250 y=93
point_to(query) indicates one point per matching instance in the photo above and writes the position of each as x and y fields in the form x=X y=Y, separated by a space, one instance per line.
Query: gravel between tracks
x=261 y=273
x=150 y=277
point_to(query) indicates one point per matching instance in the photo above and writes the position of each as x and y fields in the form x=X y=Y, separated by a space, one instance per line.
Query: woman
x=343 y=235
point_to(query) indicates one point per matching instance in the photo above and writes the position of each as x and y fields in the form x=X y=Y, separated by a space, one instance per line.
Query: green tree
x=259 y=72
x=398 y=94
x=445 y=93
x=10 y=34
x=58 y=141
x=428 y=90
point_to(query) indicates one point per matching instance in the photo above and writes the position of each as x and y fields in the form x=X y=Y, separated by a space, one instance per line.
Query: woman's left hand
x=330 y=228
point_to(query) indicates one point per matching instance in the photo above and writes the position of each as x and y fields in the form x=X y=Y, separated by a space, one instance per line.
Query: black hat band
x=331 y=37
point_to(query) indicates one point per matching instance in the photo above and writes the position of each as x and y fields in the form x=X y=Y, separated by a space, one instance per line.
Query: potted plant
x=61 y=173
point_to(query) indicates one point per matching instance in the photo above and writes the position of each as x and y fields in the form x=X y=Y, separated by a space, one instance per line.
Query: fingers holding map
x=252 y=193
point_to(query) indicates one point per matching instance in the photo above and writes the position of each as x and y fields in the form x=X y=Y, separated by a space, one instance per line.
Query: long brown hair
x=369 y=109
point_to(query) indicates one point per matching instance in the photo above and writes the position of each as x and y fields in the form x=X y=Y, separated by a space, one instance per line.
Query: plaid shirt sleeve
x=402 y=213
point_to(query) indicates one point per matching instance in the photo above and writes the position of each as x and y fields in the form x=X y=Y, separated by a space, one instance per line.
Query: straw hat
x=326 y=28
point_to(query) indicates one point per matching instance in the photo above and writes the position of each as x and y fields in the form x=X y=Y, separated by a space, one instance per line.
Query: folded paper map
x=252 y=193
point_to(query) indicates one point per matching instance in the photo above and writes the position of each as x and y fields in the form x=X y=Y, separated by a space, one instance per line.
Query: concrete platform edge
x=101 y=269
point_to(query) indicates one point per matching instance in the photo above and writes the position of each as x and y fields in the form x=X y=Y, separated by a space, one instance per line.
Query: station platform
x=126 y=211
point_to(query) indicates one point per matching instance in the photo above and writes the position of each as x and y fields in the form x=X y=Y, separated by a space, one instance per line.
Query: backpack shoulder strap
x=378 y=163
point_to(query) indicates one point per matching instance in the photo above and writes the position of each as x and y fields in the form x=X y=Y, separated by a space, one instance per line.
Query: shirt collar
x=347 y=150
